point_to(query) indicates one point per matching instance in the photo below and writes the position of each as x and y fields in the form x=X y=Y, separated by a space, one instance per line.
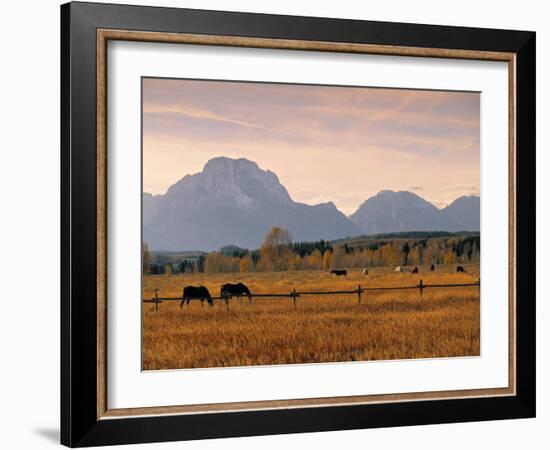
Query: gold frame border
x=103 y=36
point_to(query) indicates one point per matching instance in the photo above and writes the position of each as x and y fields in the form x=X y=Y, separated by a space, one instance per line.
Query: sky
x=325 y=143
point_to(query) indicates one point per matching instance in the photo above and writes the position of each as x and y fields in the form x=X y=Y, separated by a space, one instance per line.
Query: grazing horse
x=415 y=270
x=432 y=268
x=398 y=269
x=339 y=272
x=235 y=290
x=460 y=269
x=196 y=292
x=365 y=272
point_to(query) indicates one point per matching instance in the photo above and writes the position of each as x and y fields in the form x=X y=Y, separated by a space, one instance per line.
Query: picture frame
x=86 y=418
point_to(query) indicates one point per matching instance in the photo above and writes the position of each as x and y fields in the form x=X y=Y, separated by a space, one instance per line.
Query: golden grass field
x=386 y=325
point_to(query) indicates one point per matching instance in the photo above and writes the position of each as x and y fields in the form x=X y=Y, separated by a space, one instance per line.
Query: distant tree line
x=414 y=235
x=279 y=253
x=307 y=248
x=163 y=265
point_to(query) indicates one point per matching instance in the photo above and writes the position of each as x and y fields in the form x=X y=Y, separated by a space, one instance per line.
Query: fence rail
x=294 y=295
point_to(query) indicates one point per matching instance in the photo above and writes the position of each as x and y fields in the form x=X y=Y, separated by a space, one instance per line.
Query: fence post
x=294 y=297
x=421 y=287
x=156 y=300
x=359 y=293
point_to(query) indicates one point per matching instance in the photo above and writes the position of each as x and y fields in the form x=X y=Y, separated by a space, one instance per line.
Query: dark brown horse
x=196 y=293
x=235 y=290
x=460 y=269
x=339 y=272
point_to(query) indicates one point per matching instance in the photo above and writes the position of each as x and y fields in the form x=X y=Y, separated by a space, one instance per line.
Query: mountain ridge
x=235 y=202
x=397 y=211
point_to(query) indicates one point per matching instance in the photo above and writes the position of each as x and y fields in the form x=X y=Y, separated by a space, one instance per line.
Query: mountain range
x=235 y=202
x=389 y=212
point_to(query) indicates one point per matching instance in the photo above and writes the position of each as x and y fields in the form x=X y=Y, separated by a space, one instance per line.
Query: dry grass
x=386 y=325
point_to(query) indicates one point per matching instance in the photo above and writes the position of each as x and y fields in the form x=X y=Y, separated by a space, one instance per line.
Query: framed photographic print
x=277 y=224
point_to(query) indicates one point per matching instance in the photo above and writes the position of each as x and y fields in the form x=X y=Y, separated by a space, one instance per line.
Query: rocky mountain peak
x=234 y=202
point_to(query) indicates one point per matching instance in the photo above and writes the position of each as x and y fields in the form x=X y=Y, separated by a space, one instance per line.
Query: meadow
x=331 y=328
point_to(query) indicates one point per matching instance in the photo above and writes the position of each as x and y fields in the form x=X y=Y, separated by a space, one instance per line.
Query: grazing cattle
x=196 y=292
x=235 y=290
x=415 y=270
x=432 y=267
x=398 y=269
x=339 y=272
x=365 y=272
x=460 y=269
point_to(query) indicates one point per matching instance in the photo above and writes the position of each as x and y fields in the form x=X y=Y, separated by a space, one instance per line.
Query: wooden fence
x=294 y=295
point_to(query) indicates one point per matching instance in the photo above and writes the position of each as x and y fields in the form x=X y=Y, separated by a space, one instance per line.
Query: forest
x=279 y=253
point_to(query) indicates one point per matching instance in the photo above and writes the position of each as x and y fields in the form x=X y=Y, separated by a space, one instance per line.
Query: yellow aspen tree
x=336 y=259
x=276 y=251
x=326 y=259
x=245 y=264
x=316 y=259
x=449 y=258
x=414 y=256
x=168 y=269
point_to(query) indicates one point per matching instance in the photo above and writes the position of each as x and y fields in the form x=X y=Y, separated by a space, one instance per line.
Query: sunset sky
x=324 y=143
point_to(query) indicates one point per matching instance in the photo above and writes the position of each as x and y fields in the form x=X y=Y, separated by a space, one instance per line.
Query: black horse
x=339 y=272
x=432 y=267
x=196 y=292
x=415 y=270
x=460 y=269
x=235 y=290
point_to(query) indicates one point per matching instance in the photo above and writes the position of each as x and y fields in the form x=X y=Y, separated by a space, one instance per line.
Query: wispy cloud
x=464 y=187
x=455 y=190
x=325 y=143
x=196 y=113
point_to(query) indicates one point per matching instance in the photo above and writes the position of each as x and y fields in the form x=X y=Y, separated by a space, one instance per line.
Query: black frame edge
x=526 y=223
x=79 y=425
x=79 y=230
x=65 y=435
